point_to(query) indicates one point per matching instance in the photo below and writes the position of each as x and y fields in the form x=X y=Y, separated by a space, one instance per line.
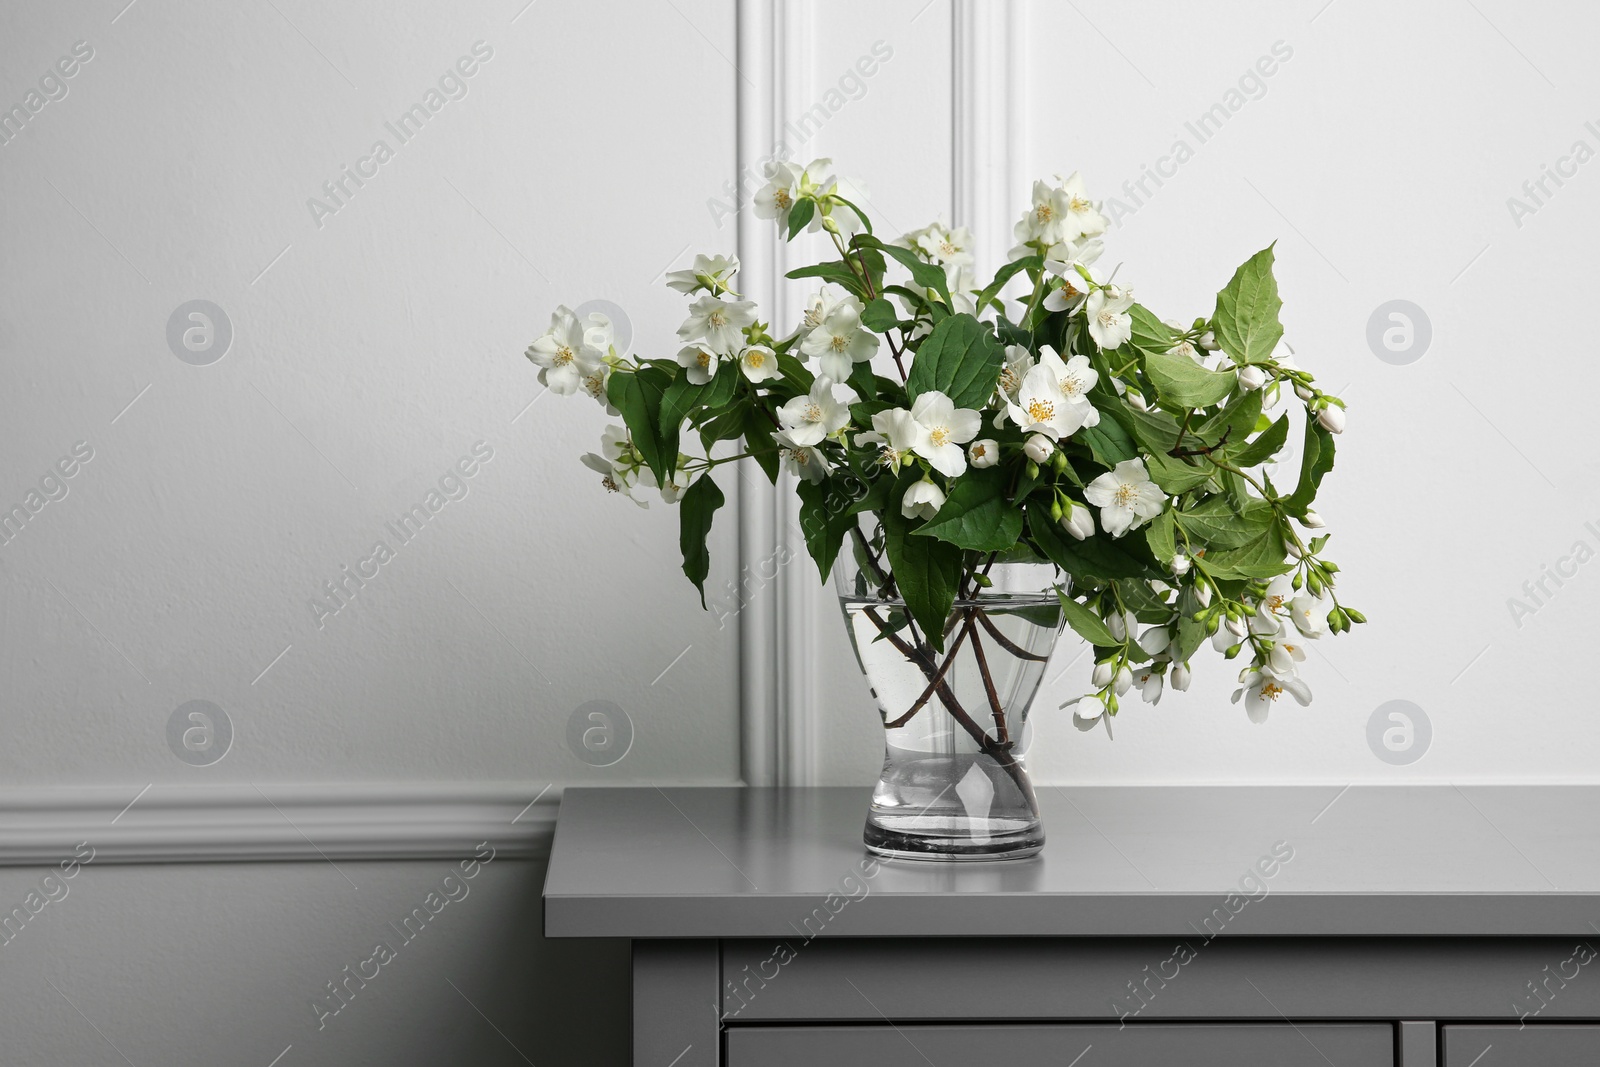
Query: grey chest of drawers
x=1304 y=925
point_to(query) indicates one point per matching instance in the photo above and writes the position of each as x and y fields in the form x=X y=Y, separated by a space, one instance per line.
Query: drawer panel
x=1197 y=1045
x=1536 y=1045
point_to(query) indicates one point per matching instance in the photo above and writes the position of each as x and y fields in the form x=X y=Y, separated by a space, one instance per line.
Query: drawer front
x=1199 y=1045
x=1534 y=1045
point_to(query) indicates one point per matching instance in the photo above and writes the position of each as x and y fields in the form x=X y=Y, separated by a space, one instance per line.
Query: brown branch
x=1006 y=642
x=933 y=683
x=988 y=684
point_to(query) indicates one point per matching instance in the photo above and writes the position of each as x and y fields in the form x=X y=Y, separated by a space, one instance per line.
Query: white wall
x=372 y=348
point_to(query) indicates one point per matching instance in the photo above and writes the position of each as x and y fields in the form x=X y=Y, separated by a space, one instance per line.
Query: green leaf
x=1263 y=558
x=1190 y=636
x=1214 y=523
x=1096 y=557
x=976 y=514
x=1182 y=383
x=926 y=570
x=1246 y=319
x=961 y=359
x=880 y=315
x=1108 y=442
x=1174 y=475
x=1265 y=446
x=1005 y=274
x=1149 y=334
x=682 y=398
x=799 y=215
x=639 y=396
x=699 y=502
x=835 y=271
x=826 y=516
x=1085 y=623
x=927 y=275
x=1315 y=462
x=1156 y=431
x=759 y=443
x=1159 y=536
x=1235 y=421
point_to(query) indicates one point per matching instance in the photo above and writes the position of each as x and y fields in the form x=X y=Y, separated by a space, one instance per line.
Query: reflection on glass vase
x=954 y=785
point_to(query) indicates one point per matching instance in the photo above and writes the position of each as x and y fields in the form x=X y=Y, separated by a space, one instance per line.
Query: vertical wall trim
x=757 y=94
x=778 y=723
x=988 y=123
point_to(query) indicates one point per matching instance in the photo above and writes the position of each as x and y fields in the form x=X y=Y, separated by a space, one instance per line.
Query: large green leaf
x=1263 y=558
x=1086 y=623
x=1108 y=442
x=758 y=441
x=1246 y=320
x=1183 y=383
x=1265 y=446
x=827 y=512
x=1095 y=557
x=1176 y=476
x=700 y=501
x=1235 y=421
x=926 y=275
x=926 y=570
x=682 y=398
x=1216 y=525
x=976 y=514
x=638 y=395
x=961 y=359
x=1005 y=274
x=880 y=315
x=1316 y=461
x=1149 y=333
x=1159 y=536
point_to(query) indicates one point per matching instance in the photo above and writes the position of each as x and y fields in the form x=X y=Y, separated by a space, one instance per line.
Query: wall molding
x=275 y=822
x=778 y=724
x=988 y=123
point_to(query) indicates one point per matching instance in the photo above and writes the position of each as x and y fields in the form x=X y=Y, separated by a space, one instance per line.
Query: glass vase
x=954 y=784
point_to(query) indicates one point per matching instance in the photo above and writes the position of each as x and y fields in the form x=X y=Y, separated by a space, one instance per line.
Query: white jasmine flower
x=1109 y=322
x=821 y=305
x=595 y=382
x=1126 y=497
x=719 y=323
x=711 y=273
x=941 y=244
x=673 y=491
x=1309 y=616
x=983 y=453
x=1073 y=269
x=1180 y=564
x=922 y=500
x=759 y=363
x=1046 y=221
x=1123 y=681
x=948 y=428
x=1261 y=689
x=1136 y=401
x=1082 y=216
x=1076 y=377
x=1102 y=675
x=1077 y=520
x=563 y=353
x=1019 y=361
x=895 y=433
x=1041 y=406
x=699 y=363
x=808 y=419
x=1149 y=679
x=1180 y=677
x=800 y=458
x=1155 y=640
x=1038 y=448
x=1312 y=520
x=1121 y=624
x=1285 y=655
x=1331 y=418
x=1251 y=378
x=779 y=194
x=841 y=341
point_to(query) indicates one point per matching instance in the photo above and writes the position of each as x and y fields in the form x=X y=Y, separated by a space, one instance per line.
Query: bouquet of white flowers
x=942 y=428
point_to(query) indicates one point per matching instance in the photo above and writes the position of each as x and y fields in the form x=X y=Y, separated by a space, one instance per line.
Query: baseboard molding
x=267 y=822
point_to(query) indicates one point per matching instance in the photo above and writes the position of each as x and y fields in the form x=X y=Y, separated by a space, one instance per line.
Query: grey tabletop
x=1120 y=861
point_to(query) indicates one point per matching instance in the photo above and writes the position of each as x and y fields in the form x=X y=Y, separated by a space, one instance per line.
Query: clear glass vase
x=954 y=783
